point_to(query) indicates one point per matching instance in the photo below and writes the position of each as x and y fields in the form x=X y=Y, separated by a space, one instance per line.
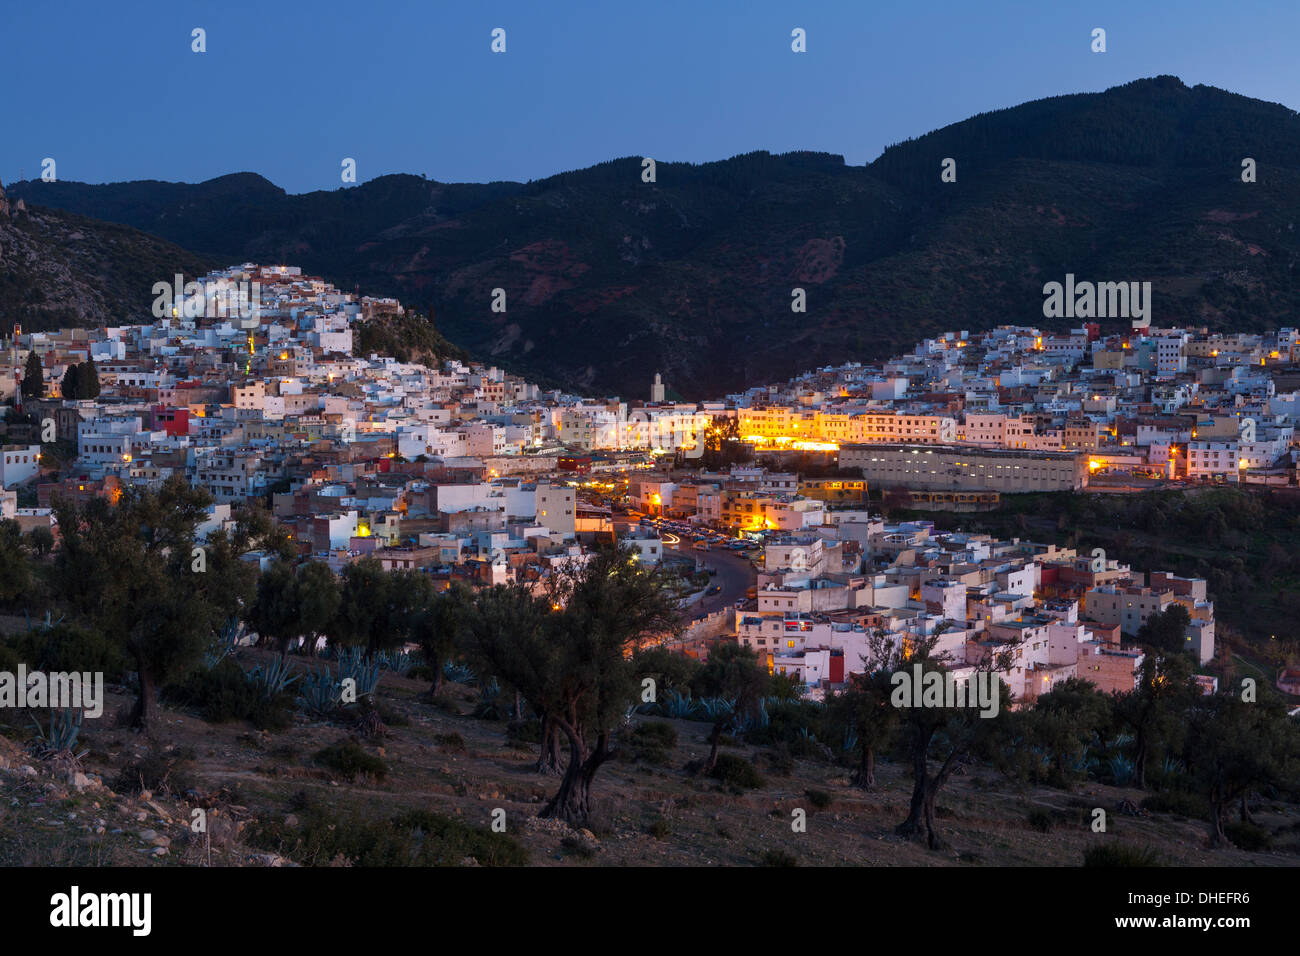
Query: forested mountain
x=609 y=278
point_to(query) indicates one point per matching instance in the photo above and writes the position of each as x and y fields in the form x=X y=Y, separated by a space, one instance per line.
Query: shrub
x=820 y=799
x=421 y=672
x=778 y=858
x=161 y=771
x=738 y=772
x=1040 y=820
x=1249 y=836
x=392 y=718
x=9 y=659
x=663 y=733
x=528 y=731
x=226 y=693
x=349 y=760
x=452 y=743
x=414 y=838
x=781 y=759
x=651 y=742
x=659 y=829
x=492 y=703
x=64 y=647
x=578 y=846
x=1120 y=854
x=807 y=746
x=1178 y=803
x=272 y=678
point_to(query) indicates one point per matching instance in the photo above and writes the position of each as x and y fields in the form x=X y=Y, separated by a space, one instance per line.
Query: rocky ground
x=92 y=810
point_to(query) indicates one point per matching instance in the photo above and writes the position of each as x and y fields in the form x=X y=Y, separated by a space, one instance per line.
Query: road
x=736 y=574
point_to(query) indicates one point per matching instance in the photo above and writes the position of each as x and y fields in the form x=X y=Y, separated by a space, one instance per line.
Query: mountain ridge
x=609 y=279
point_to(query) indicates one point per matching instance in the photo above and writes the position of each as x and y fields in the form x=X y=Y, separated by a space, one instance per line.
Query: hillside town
x=472 y=474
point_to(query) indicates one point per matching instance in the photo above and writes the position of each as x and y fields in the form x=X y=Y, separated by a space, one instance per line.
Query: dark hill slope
x=609 y=279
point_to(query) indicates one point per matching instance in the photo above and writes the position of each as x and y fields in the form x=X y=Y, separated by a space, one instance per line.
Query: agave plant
x=1121 y=770
x=366 y=673
x=399 y=662
x=673 y=703
x=1119 y=743
x=223 y=643
x=273 y=678
x=48 y=623
x=711 y=708
x=319 y=693
x=1045 y=760
x=850 y=743
x=65 y=727
x=746 y=723
x=457 y=673
x=1087 y=764
x=487 y=708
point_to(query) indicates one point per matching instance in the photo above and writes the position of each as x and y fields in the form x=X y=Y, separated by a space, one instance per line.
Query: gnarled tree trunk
x=572 y=803
x=919 y=824
x=865 y=776
x=145 y=710
x=715 y=739
x=548 y=757
x=1218 y=814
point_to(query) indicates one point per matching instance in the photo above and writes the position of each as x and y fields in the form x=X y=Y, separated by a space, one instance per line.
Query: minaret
x=657 y=389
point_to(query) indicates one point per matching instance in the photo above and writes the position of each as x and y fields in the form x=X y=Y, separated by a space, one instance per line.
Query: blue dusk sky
x=112 y=91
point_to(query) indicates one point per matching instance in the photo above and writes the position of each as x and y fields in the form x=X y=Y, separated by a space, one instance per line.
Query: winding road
x=736 y=574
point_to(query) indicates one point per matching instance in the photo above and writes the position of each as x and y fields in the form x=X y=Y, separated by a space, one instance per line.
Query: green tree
x=668 y=669
x=1234 y=747
x=70 y=384
x=863 y=709
x=317 y=600
x=33 y=377
x=509 y=632
x=436 y=622
x=374 y=609
x=1166 y=630
x=41 y=541
x=88 y=379
x=273 y=614
x=948 y=735
x=733 y=673
x=15 y=563
x=575 y=665
x=1059 y=728
x=1154 y=710
x=134 y=571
